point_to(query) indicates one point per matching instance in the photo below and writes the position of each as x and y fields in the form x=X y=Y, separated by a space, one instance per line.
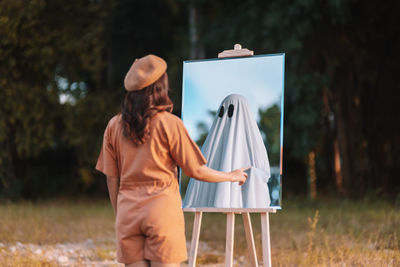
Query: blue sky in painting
x=207 y=82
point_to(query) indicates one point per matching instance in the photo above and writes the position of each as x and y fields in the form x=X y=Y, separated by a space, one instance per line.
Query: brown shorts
x=150 y=225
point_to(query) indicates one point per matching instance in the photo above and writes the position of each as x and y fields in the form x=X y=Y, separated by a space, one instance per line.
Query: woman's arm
x=113 y=188
x=206 y=174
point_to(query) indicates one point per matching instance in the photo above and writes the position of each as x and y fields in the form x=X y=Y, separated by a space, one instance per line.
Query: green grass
x=330 y=232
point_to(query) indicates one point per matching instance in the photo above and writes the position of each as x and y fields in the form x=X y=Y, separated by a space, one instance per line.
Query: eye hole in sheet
x=221 y=112
x=230 y=110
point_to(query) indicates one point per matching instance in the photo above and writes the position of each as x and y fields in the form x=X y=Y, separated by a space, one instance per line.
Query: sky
x=207 y=82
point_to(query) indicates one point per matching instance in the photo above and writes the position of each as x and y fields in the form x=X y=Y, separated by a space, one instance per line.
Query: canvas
x=251 y=137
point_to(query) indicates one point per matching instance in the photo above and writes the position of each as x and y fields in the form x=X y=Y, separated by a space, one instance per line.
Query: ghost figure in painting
x=234 y=141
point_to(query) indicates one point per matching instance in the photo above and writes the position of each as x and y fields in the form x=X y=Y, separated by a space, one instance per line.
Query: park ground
x=327 y=232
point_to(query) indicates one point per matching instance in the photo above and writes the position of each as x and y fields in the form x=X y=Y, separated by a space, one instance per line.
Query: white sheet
x=233 y=142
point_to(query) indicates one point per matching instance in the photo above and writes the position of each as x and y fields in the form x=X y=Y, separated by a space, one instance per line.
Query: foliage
x=337 y=48
x=37 y=48
x=269 y=125
x=63 y=64
x=204 y=128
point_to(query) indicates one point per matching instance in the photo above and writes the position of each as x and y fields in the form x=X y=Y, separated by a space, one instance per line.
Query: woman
x=142 y=147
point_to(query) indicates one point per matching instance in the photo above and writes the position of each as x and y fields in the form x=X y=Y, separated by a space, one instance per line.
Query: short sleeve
x=184 y=150
x=107 y=161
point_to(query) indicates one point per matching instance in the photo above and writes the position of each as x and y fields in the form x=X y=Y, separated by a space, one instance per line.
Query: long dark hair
x=140 y=106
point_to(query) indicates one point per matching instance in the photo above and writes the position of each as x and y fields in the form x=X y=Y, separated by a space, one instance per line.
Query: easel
x=230 y=227
x=230 y=212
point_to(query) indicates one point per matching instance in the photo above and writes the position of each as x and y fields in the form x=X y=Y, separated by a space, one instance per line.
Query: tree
x=40 y=42
x=269 y=125
x=344 y=50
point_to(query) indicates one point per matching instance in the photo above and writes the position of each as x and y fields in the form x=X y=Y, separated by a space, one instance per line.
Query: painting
x=233 y=109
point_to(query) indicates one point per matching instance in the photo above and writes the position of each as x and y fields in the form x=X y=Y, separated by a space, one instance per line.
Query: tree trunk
x=356 y=171
x=312 y=175
x=338 y=168
x=342 y=145
x=337 y=161
x=193 y=30
x=10 y=176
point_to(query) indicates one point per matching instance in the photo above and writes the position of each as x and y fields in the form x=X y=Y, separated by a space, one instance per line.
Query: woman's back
x=167 y=146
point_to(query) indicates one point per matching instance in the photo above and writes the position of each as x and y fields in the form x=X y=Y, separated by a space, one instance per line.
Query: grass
x=57 y=221
x=50 y=223
x=330 y=232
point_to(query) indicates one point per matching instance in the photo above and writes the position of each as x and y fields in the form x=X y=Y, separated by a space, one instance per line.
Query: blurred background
x=63 y=64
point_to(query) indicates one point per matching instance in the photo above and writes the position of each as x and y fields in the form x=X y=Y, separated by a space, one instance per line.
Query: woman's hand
x=239 y=175
x=203 y=173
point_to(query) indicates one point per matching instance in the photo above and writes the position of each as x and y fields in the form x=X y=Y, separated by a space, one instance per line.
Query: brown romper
x=149 y=221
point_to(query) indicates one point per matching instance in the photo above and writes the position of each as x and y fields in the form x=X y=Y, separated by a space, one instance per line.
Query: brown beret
x=144 y=71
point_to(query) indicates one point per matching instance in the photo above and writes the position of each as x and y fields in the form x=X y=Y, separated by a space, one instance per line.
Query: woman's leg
x=160 y=264
x=143 y=263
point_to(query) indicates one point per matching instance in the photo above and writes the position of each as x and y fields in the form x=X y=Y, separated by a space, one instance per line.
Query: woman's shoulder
x=167 y=117
x=114 y=122
x=115 y=119
x=167 y=121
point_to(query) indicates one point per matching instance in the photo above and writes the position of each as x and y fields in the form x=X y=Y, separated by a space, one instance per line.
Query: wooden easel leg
x=250 y=239
x=230 y=232
x=266 y=245
x=195 y=238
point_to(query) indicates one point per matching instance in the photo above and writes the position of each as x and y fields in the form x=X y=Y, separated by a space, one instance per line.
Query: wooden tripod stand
x=230 y=227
